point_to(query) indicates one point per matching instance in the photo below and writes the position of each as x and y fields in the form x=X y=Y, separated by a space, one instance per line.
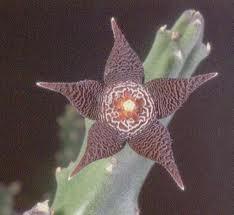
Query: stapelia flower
x=127 y=110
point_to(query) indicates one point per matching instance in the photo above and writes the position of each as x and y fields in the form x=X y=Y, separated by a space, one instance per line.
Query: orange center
x=128 y=107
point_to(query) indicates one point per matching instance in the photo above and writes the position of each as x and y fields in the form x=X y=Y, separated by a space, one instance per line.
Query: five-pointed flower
x=127 y=110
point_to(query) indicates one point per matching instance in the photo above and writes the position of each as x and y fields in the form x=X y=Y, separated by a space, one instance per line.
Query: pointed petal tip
x=212 y=75
x=115 y=28
x=178 y=181
x=181 y=186
x=215 y=74
x=39 y=84
x=174 y=172
x=113 y=20
x=113 y=23
x=53 y=86
x=42 y=84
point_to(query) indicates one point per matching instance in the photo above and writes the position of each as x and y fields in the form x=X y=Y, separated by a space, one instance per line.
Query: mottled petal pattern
x=154 y=142
x=83 y=95
x=170 y=94
x=123 y=63
x=103 y=141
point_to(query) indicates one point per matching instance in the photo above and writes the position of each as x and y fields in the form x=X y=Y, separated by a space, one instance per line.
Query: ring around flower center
x=127 y=107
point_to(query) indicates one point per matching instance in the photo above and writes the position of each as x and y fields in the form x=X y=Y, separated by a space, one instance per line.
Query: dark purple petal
x=83 y=95
x=170 y=94
x=154 y=143
x=103 y=141
x=123 y=63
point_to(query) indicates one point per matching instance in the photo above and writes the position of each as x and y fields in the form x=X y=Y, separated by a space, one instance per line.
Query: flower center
x=127 y=107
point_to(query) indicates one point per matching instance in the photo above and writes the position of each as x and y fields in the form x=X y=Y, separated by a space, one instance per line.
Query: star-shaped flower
x=128 y=110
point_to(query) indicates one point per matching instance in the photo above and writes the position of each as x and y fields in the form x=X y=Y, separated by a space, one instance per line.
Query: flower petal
x=83 y=95
x=103 y=141
x=170 y=94
x=123 y=63
x=154 y=142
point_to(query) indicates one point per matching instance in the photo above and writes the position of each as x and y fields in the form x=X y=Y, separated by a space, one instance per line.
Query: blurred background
x=70 y=41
